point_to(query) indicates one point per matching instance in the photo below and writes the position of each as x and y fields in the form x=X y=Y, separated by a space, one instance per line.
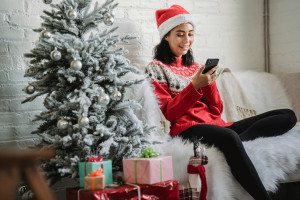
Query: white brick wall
x=229 y=29
x=284 y=36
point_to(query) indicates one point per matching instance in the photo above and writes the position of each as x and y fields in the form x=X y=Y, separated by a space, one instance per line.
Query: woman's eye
x=179 y=35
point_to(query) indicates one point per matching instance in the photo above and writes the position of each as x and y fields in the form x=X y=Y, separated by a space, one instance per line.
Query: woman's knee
x=291 y=117
x=230 y=139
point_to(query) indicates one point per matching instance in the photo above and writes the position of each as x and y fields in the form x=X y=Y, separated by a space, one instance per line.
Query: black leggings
x=229 y=141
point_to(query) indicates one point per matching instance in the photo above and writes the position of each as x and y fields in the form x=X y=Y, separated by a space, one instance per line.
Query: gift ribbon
x=191 y=169
x=148 y=153
x=135 y=171
x=93 y=159
x=138 y=189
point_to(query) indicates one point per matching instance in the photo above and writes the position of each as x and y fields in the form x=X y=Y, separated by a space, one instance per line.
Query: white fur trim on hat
x=171 y=23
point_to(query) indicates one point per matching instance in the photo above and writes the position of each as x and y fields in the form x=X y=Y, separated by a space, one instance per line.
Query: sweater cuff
x=191 y=93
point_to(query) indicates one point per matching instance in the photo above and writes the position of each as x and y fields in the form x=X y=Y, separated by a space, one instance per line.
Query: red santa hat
x=167 y=19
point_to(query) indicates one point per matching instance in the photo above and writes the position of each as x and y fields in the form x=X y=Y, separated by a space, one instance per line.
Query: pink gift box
x=148 y=170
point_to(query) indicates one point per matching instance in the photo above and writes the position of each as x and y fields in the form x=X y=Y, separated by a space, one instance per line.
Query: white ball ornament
x=76 y=65
x=72 y=14
x=55 y=55
x=108 y=20
x=103 y=99
x=29 y=89
x=62 y=124
x=83 y=121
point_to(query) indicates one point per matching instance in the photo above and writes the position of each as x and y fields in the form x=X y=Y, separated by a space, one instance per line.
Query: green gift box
x=85 y=169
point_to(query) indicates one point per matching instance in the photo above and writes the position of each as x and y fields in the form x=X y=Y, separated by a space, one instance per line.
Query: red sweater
x=180 y=102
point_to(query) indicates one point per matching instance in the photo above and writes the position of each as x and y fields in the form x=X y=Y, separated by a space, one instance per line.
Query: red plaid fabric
x=204 y=161
x=188 y=193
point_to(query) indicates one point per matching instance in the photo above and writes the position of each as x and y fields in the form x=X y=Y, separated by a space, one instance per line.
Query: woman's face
x=180 y=39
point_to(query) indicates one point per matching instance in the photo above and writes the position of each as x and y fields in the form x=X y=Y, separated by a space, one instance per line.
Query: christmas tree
x=78 y=67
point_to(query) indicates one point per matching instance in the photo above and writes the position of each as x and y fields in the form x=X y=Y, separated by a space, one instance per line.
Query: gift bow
x=98 y=172
x=98 y=159
x=148 y=153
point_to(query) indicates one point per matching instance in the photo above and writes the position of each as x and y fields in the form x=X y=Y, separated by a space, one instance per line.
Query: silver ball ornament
x=46 y=34
x=103 y=99
x=117 y=95
x=62 y=124
x=76 y=65
x=83 y=121
x=47 y=1
x=108 y=20
x=55 y=55
x=98 y=89
x=29 y=89
x=72 y=14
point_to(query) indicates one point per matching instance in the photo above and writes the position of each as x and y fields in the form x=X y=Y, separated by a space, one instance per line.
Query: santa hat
x=167 y=19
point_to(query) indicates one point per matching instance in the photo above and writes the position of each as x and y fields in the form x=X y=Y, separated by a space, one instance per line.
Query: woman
x=191 y=101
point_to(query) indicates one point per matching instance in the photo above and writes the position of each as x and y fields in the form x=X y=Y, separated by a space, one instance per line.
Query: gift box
x=95 y=180
x=167 y=190
x=148 y=170
x=85 y=168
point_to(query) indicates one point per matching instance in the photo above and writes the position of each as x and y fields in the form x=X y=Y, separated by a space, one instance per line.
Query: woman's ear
x=166 y=38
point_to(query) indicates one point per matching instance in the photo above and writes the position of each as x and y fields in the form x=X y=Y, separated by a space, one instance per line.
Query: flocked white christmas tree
x=77 y=67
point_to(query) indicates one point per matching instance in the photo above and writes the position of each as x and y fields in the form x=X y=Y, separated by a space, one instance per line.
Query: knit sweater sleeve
x=173 y=107
x=212 y=98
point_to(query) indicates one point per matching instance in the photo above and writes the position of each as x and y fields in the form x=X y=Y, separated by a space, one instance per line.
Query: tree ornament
x=72 y=14
x=62 y=124
x=29 y=89
x=55 y=55
x=117 y=95
x=47 y=1
x=98 y=89
x=83 y=121
x=76 y=65
x=103 y=99
x=46 y=34
x=108 y=19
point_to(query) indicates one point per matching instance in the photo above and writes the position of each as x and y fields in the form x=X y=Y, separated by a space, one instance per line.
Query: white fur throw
x=273 y=157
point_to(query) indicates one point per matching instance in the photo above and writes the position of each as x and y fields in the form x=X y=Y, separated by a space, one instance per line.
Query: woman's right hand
x=200 y=80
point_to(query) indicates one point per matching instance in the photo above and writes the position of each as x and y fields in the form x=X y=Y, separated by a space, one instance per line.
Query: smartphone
x=210 y=63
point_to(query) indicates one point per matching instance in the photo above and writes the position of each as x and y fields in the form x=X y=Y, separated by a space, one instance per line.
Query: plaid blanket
x=188 y=193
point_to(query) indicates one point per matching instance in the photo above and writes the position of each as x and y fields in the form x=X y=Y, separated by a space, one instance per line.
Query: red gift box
x=160 y=191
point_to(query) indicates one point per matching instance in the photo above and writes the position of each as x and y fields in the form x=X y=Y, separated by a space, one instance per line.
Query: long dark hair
x=163 y=53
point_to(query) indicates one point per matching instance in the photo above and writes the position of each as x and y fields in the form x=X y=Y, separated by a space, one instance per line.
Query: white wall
x=284 y=36
x=229 y=29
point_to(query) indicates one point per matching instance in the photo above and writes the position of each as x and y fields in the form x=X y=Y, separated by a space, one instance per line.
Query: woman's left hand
x=200 y=80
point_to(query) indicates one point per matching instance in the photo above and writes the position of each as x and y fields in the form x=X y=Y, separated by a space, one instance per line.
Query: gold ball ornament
x=29 y=89
x=108 y=20
x=83 y=121
x=62 y=124
x=117 y=95
x=76 y=65
x=72 y=14
x=103 y=99
x=55 y=55
x=47 y=1
x=46 y=34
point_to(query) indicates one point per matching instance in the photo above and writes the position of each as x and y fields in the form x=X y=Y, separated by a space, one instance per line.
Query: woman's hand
x=200 y=80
